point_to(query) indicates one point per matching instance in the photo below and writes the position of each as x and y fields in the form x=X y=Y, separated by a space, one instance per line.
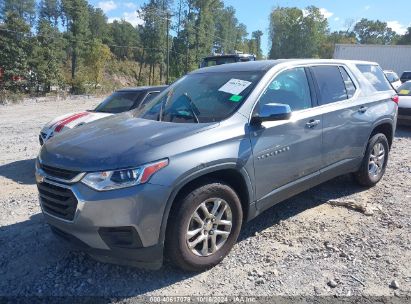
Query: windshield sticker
x=236 y=98
x=235 y=86
x=404 y=92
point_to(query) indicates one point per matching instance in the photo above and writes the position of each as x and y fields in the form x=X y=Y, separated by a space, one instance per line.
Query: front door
x=285 y=151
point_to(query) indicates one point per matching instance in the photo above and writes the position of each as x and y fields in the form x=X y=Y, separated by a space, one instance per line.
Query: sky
x=254 y=14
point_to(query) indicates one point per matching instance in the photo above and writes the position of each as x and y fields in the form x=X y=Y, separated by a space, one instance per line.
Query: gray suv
x=179 y=177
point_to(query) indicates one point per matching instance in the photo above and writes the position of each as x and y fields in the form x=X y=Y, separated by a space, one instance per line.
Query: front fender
x=203 y=170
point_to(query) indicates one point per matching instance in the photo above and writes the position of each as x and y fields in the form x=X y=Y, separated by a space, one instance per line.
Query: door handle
x=362 y=109
x=312 y=123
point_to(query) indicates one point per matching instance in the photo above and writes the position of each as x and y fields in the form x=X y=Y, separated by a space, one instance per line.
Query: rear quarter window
x=375 y=76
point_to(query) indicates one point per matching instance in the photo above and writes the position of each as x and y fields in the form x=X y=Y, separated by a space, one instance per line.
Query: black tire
x=363 y=175
x=177 y=248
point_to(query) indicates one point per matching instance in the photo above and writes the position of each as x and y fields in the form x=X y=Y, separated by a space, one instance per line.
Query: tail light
x=395 y=98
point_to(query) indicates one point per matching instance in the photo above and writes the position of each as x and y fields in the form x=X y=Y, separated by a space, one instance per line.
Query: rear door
x=348 y=116
x=345 y=126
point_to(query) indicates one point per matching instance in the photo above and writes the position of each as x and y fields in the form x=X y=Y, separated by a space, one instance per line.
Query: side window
x=349 y=85
x=289 y=87
x=375 y=76
x=330 y=83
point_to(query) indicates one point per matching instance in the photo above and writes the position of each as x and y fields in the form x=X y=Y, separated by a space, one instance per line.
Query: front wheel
x=375 y=161
x=204 y=227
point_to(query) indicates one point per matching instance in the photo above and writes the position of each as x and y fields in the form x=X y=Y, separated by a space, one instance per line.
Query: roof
x=265 y=65
x=378 y=46
x=143 y=88
x=228 y=56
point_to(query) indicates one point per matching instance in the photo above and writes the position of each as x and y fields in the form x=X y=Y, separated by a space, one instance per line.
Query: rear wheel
x=375 y=161
x=205 y=227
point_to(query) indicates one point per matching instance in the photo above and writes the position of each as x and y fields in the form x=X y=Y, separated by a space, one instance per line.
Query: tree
x=24 y=9
x=48 y=54
x=98 y=24
x=406 y=38
x=96 y=59
x=315 y=32
x=373 y=32
x=14 y=48
x=256 y=36
x=154 y=35
x=49 y=10
x=295 y=33
x=122 y=33
x=76 y=18
x=341 y=37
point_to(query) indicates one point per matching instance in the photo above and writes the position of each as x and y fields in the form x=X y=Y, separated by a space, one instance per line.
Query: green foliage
x=49 y=10
x=47 y=56
x=295 y=33
x=374 y=32
x=406 y=38
x=14 y=50
x=96 y=59
x=73 y=44
x=24 y=9
x=328 y=46
x=125 y=35
x=76 y=17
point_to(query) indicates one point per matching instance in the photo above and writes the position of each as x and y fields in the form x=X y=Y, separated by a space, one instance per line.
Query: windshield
x=202 y=97
x=118 y=102
x=405 y=89
x=392 y=77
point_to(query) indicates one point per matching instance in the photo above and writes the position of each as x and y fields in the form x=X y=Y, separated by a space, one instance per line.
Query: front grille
x=57 y=201
x=59 y=173
x=404 y=111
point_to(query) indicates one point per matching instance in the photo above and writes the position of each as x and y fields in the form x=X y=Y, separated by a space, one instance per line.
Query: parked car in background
x=405 y=76
x=120 y=101
x=404 y=104
x=393 y=79
x=218 y=59
x=215 y=149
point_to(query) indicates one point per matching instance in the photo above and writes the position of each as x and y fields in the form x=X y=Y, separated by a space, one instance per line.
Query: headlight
x=123 y=178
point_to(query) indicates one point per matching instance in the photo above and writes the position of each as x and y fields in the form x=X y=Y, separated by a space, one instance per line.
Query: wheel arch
x=385 y=127
x=230 y=174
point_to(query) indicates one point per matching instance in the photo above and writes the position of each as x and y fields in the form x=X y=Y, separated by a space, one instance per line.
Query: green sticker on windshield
x=236 y=98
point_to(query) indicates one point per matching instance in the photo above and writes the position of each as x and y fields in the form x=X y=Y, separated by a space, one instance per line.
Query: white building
x=389 y=57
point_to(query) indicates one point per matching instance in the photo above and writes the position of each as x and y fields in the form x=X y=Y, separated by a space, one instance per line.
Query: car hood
x=71 y=120
x=119 y=141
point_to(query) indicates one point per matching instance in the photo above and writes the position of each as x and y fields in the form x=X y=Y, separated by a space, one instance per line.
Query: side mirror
x=272 y=112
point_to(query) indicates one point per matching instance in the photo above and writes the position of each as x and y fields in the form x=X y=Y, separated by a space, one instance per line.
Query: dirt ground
x=308 y=245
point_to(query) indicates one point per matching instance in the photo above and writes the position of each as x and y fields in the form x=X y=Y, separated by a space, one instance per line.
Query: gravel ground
x=305 y=246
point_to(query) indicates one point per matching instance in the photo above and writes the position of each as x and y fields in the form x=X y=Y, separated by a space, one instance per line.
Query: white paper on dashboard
x=235 y=86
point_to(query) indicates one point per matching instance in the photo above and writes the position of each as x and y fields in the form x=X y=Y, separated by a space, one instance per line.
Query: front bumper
x=120 y=226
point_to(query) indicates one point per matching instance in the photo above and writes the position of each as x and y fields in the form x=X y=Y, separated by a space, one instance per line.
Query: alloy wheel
x=209 y=227
x=377 y=159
